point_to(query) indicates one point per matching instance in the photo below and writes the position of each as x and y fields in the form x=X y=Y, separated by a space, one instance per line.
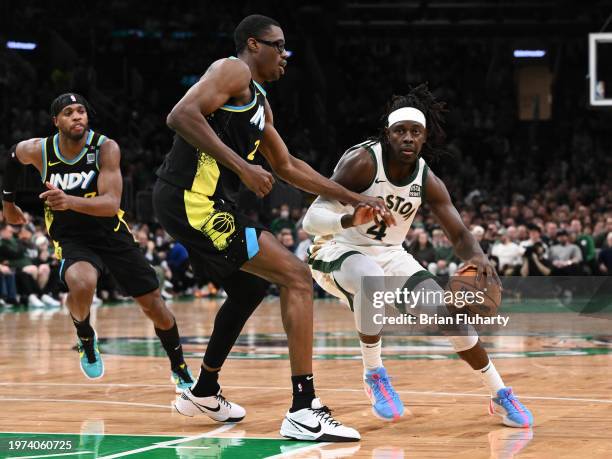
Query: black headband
x=69 y=98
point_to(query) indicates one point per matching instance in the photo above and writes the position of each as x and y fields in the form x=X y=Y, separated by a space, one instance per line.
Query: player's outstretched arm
x=325 y=216
x=110 y=185
x=302 y=176
x=224 y=79
x=465 y=244
x=25 y=152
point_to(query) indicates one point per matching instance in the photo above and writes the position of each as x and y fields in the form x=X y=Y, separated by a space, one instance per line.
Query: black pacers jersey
x=76 y=177
x=240 y=128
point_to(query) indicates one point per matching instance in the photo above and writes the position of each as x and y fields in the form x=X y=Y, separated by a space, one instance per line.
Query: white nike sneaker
x=316 y=424
x=216 y=407
x=34 y=301
x=50 y=301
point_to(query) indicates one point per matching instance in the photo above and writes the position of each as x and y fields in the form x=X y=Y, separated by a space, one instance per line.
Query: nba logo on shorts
x=415 y=191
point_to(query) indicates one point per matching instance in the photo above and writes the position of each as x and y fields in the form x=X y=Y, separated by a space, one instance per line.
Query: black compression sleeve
x=12 y=172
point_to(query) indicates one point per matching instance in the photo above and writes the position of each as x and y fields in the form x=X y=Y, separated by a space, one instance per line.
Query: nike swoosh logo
x=316 y=429
x=7 y=192
x=53 y=164
x=207 y=407
x=379 y=181
x=177 y=347
x=308 y=378
x=214 y=410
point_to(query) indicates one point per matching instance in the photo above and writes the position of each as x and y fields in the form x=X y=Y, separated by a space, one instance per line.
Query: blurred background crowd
x=531 y=174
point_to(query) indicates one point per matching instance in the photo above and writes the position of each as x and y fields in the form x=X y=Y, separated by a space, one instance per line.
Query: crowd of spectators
x=536 y=194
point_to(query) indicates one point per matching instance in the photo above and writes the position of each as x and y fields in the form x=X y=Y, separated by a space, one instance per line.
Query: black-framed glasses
x=279 y=45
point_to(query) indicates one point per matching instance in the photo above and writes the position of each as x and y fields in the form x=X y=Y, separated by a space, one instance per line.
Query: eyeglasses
x=279 y=45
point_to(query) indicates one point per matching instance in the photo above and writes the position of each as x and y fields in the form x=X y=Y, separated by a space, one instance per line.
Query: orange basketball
x=484 y=298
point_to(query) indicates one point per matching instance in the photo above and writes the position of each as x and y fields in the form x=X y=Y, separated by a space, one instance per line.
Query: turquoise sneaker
x=386 y=403
x=91 y=360
x=182 y=378
x=513 y=412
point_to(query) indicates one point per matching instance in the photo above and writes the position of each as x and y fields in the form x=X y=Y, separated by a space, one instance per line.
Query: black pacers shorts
x=218 y=238
x=119 y=253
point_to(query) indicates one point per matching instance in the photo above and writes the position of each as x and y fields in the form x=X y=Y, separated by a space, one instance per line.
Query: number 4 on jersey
x=378 y=231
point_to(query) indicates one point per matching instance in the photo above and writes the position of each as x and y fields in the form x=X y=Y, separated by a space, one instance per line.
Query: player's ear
x=252 y=44
x=55 y=121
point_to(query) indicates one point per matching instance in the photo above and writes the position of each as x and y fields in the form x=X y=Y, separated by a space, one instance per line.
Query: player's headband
x=406 y=114
x=64 y=100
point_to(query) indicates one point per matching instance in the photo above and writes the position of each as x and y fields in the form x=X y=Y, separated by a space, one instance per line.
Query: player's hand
x=362 y=214
x=380 y=209
x=257 y=179
x=13 y=214
x=56 y=198
x=484 y=267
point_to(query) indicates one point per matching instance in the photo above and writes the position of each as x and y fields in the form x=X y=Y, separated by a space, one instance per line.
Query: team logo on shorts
x=218 y=228
x=415 y=191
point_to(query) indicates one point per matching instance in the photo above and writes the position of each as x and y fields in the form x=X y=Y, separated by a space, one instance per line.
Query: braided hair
x=421 y=98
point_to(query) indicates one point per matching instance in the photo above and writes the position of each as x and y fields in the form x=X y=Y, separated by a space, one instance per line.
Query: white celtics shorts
x=394 y=261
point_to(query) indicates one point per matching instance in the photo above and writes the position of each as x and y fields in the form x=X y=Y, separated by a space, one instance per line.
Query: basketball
x=486 y=297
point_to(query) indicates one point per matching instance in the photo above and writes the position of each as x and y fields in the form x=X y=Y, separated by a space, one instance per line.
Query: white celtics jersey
x=402 y=199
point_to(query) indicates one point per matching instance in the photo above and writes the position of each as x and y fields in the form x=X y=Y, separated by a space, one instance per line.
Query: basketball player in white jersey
x=350 y=244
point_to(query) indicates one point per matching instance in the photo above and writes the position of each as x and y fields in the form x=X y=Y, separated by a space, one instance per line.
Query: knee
x=463 y=343
x=31 y=270
x=81 y=285
x=150 y=302
x=153 y=306
x=44 y=270
x=299 y=277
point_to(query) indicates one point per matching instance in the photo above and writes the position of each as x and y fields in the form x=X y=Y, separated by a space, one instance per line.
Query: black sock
x=171 y=343
x=84 y=329
x=207 y=384
x=303 y=392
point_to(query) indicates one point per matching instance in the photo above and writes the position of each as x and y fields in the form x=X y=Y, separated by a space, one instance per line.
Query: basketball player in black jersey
x=80 y=169
x=221 y=124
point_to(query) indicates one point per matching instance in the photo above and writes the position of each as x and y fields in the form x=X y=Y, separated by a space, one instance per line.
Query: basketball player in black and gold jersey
x=80 y=169
x=221 y=124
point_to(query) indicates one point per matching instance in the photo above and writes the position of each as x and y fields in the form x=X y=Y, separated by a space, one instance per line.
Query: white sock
x=371 y=355
x=491 y=378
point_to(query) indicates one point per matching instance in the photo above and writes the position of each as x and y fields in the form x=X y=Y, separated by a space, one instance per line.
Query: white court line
x=132 y=435
x=284 y=388
x=185 y=447
x=440 y=394
x=85 y=384
x=50 y=455
x=81 y=433
x=293 y=452
x=170 y=442
x=99 y=402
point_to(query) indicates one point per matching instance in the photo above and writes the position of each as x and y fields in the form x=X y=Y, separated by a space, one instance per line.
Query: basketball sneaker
x=513 y=412
x=182 y=378
x=386 y=403
x=216 y=407
x=91 y=360
x=316 y=424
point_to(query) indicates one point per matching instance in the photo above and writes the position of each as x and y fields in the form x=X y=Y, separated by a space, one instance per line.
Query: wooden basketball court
x=47 y=402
